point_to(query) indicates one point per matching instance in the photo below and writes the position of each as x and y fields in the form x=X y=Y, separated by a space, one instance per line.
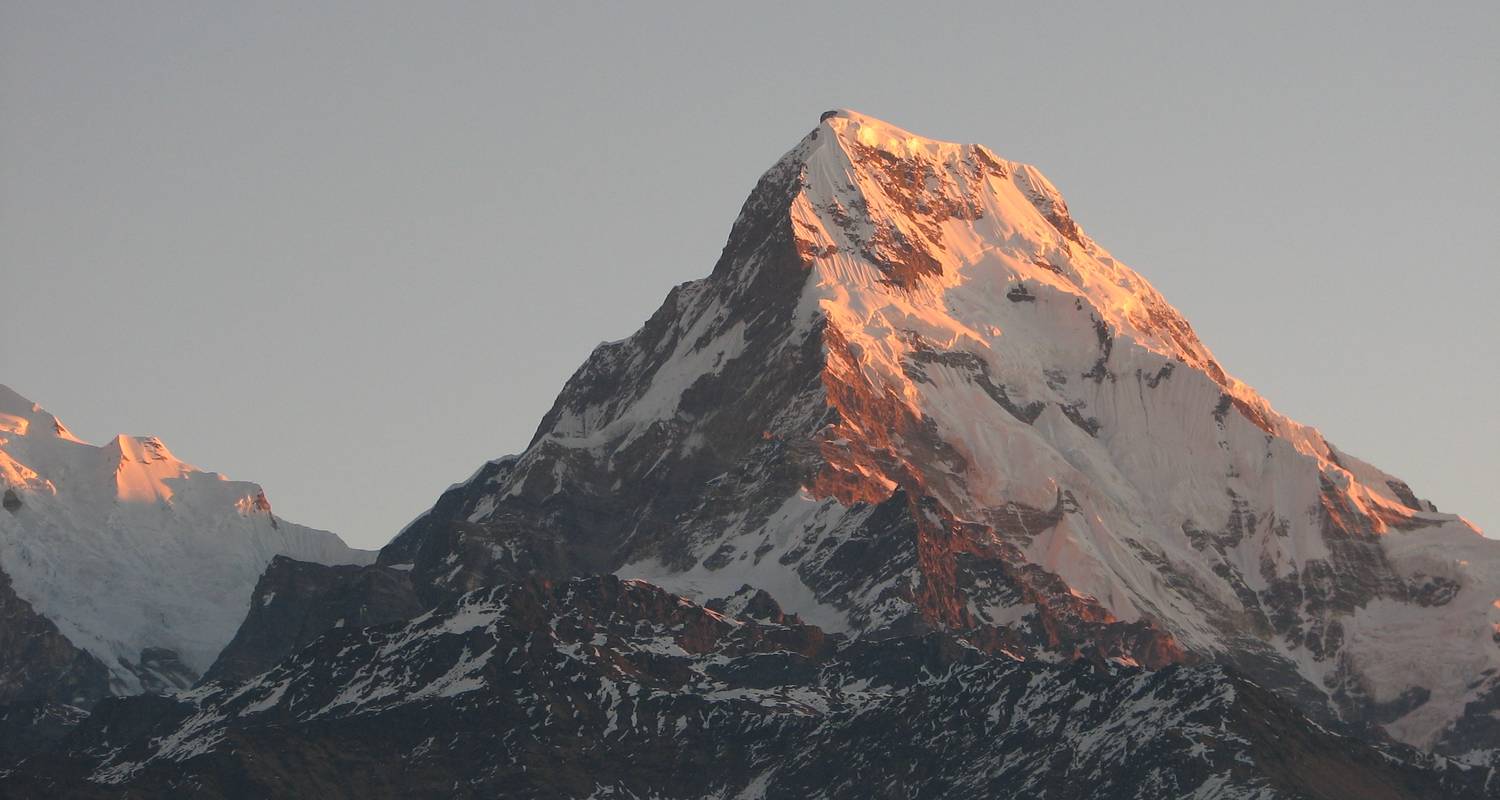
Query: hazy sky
x=352 y=251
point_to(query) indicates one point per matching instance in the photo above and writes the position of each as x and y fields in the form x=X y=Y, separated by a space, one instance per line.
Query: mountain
x=920 y=488
x=122 y=568
x=914 y=395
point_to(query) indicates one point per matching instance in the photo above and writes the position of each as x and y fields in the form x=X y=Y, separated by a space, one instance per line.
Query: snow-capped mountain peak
x=958 y=215
x=914 y=393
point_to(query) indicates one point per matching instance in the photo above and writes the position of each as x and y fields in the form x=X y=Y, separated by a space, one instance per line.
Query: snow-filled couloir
x=140 y=560
x=913 y=393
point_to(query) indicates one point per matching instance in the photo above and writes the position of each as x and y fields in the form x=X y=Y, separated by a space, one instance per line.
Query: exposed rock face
x=601 y=687
x=297 y=601
x=913 y=395
x=161 y=670
x=38 y=663
x=45 y=682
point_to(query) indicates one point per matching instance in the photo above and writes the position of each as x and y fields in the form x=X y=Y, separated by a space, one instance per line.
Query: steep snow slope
x=913 y=393
x=139 y=559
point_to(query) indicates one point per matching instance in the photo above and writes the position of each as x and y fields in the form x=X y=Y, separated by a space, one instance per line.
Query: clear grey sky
x=351 y=251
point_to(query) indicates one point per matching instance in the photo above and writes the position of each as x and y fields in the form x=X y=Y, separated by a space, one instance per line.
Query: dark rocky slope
x=46 y=683
x=607 y=688
x=296 y=601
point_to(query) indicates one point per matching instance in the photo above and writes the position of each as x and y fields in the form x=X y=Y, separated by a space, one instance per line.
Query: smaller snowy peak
x=131 y=551
x=144 y=468
x=41 y=454
x=143 y=450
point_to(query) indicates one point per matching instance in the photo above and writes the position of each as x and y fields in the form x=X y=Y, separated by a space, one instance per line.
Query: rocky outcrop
x=45 y=682
x=39 y=663
x=297 y=601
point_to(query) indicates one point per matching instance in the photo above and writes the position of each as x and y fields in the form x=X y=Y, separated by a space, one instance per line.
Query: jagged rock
x=296 y=601
x=45 y=681
x=751 y=603
x=161 y=670
x=39 y=663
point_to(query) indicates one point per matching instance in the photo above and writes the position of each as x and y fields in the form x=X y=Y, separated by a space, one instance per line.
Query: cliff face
x=40 y=664
x=296 y=601
x=46 y=683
